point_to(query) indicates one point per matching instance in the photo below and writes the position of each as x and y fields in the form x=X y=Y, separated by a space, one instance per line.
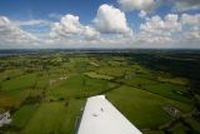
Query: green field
x=45 y=92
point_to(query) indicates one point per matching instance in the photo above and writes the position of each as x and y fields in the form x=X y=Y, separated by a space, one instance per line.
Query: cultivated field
x=157 y=91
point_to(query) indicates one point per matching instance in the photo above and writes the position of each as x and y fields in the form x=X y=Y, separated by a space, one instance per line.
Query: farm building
x=101 y=117
x=5 y=119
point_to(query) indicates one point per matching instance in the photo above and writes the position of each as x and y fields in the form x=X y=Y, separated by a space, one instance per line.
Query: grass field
x=143 y=108
x=45 y=93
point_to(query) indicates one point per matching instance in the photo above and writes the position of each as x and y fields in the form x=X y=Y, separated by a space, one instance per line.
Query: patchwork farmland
x=44 y=93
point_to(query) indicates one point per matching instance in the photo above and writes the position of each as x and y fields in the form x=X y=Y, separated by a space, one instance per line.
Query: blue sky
x=34 y=9
x=112 y=23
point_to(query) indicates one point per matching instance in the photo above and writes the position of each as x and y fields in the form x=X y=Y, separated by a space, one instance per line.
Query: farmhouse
x=174 y=112
x=5 y=119
x=101 y=117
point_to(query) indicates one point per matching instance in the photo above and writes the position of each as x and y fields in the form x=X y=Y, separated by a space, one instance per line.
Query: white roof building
x=5 y=119
x=101 y=117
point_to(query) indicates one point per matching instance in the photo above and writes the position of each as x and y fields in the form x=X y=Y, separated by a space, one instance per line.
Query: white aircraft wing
x=101 y=117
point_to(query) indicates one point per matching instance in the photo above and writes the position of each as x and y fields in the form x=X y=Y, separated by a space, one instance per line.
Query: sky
x=100 y=24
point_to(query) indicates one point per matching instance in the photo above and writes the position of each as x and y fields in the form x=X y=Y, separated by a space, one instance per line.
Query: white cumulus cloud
x=157 y=25
x=11 y=34
x=111 y=20
x=142 y=14
x=160 y=30
x=70 y=25
x=184 y=5
x=172 y=29
x=192 y=26
x=129 y=5
x=190 y=19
